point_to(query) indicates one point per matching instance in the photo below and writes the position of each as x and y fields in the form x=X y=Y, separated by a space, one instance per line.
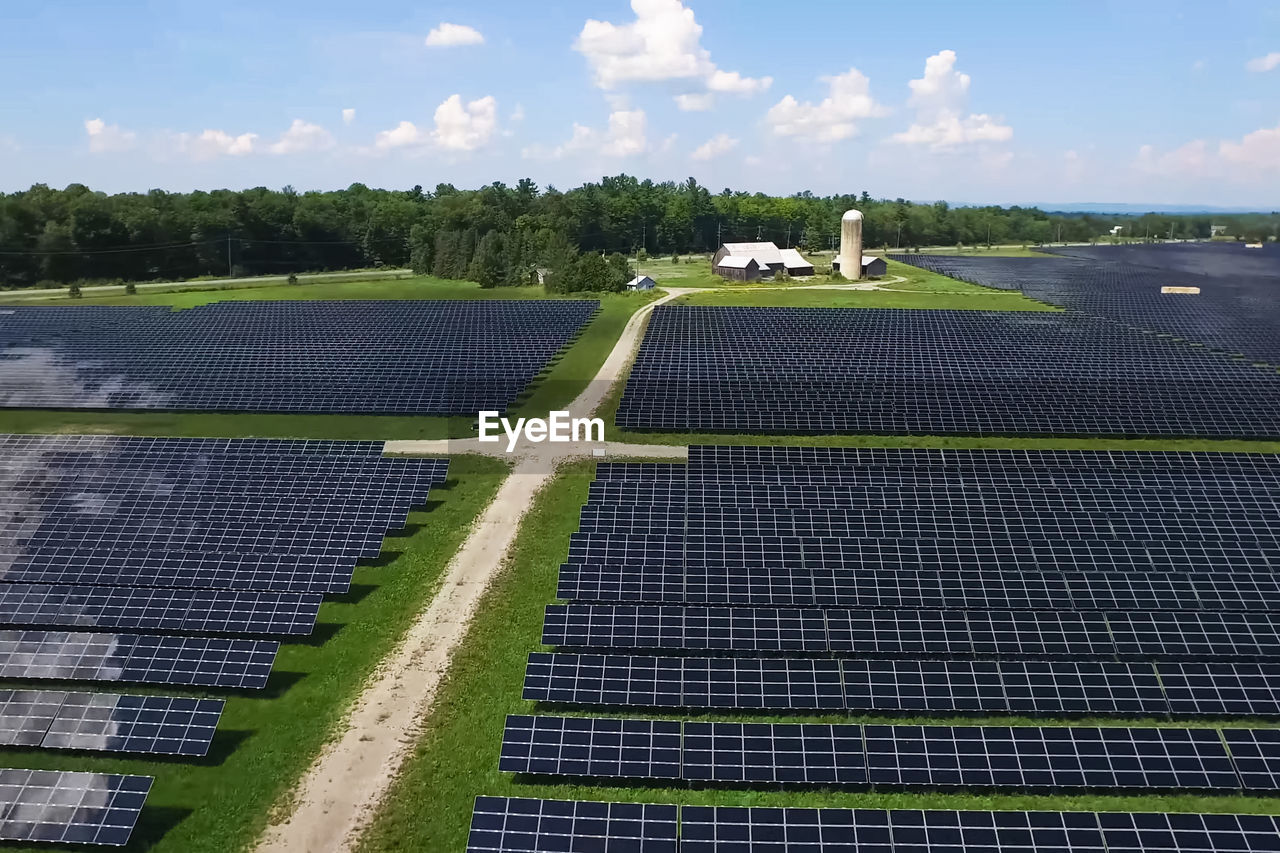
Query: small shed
x=641 y=282
x=738 y=268
x=873 y=267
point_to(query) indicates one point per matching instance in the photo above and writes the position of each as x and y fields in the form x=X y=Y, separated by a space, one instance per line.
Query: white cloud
x=940 y=98
x=460 y=128
x=735 y=83
x=454 y=35
x=849 y=100
x=348 y=116
x=948 y=130
x=405 y=134
x=303 y=136
x=1192 y=160
x=1256 y=152
x=517 y=114
x=662 y=43
x=626 y=136
x=695 y=103
x=721 y=143
x=1270 y=62
x=214 y=143
x=105 y=137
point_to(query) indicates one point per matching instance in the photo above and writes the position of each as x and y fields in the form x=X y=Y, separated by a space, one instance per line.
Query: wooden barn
x=768 y=257
x=737 y=268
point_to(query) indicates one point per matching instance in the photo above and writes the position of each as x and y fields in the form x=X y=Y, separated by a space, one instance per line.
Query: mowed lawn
x=456 y=760
x=564 y=379
x=266 y=739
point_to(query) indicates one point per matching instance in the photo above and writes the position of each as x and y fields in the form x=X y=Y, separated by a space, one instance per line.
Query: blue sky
x=1171 y=103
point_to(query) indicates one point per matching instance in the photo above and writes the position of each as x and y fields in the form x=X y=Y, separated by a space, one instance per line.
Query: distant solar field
x=385 y=357
x=1237 y=309
x=887 y=371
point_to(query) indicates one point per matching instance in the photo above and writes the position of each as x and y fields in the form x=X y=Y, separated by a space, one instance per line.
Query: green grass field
x=266 y=739
x=429 y=808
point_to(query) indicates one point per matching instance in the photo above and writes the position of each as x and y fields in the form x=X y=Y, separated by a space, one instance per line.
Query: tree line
x=497 y=235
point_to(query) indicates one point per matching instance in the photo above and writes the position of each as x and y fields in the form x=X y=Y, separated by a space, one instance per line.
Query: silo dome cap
x=852 y=216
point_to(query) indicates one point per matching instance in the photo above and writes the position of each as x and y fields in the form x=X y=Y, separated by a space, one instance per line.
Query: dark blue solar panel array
x=1235 y=311
x=405 y=357
x=893 y=755
x=519 y=825
x=891 y=372
x=920 y=582
x=126 y=559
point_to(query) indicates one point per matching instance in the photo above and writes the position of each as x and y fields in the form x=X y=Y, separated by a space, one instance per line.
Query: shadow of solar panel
x=515 y=825
x=393 y=357
x=70 y=807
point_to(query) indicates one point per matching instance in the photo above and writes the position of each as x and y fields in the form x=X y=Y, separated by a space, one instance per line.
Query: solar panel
x=892 y=371
x=107 y=722
x=780 y=753
x=1232 y=311
x=70 y=807
x=387 y=357
x=684 y=681
x=908 y=631
x=1055 y=757
x=147 y=724
x=125 y=608
x=25 y=715
x=138 y=658
x=516 y=825
x=589 y=746
x=1222 y=689
x=1256 y=753
x=736 y=829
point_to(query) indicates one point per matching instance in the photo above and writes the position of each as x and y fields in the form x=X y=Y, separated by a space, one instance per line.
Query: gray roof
x=765 y=253
x=737 y=261
x=792 y=259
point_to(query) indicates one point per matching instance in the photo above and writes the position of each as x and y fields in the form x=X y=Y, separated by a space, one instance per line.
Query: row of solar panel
x=784 y=586
x=951 y=633
x=855 y=554
x=108 y=722
x=135 y=608
x=517 y=825
x=267 y=447
x=903 y=686
x=136 y=658
x=422 y=357
x=717 y=457
x=716 y=369
x=934 y=756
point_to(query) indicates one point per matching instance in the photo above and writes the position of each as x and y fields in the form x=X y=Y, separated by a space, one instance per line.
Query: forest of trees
x=494 y=235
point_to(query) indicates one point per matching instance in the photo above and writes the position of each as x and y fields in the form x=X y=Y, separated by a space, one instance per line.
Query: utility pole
x=719 y=243
x=899 y=246
x=788 y=235
x=230 y=274
x=758 y=228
